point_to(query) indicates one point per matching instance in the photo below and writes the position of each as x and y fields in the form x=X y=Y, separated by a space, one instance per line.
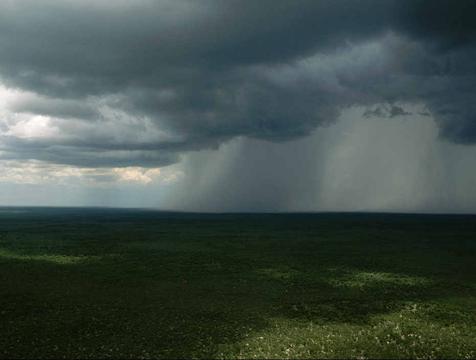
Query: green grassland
x=95 y=283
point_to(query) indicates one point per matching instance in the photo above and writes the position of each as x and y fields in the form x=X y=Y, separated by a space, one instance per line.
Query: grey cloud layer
x=138 y=83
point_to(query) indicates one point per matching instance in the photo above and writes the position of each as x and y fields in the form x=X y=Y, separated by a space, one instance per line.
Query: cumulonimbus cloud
x=140 y=83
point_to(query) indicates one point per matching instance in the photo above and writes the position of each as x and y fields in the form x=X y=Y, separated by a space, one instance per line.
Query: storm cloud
x=218 y=89
x=140 y=83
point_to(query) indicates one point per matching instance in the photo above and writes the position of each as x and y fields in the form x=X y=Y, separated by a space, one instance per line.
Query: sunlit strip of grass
x=51 y=258
x=364 y=278
x=402 y=334
x=347 y=277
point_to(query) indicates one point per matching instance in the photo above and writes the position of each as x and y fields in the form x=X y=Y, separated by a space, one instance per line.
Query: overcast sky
x=266 y=105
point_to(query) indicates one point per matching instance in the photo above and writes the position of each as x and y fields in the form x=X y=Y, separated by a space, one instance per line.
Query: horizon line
x=237 y=212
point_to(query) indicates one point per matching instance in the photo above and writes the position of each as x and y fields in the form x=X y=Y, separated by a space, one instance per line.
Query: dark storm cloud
x=386 y=111
x=199 y=73
x=447 y=23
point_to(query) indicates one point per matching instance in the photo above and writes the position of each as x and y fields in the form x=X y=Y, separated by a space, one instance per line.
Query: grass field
x=95 y=283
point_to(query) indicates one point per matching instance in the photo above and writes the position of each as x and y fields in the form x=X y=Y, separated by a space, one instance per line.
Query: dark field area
x=95 y=283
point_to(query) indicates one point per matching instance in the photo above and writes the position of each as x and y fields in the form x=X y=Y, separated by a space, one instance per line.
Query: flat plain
x=98 y=283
